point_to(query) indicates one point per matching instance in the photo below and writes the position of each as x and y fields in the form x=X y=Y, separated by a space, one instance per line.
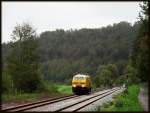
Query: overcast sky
x=66 y=15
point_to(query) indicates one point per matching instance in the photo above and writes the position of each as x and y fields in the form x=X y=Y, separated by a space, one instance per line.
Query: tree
x=7 y=86
x=114 y=71
x=103 y=78
x=131 y=73
x=120 y=80
x=106 y=75
x=23 y=60
x=140 y=57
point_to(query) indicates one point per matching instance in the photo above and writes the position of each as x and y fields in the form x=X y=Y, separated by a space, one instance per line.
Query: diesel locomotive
x=81 y=84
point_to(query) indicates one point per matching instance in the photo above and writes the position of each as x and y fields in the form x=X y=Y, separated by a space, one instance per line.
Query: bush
x=106 y=75
x=120 y=80
x=48 y=87
x=132 y=78
x=6 y=83
x=118 y=103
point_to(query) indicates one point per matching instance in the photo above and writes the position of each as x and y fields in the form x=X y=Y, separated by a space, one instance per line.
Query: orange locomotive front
x=81 y=84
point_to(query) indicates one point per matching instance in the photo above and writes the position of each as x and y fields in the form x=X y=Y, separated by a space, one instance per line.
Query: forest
x=108 y=54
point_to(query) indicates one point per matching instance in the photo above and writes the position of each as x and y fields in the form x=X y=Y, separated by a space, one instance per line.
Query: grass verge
x=50 y=90
x=64 y=89
x=124 y=101
x=26 y=97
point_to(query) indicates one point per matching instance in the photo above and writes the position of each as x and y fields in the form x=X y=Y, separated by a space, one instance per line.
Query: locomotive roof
x=81 y=75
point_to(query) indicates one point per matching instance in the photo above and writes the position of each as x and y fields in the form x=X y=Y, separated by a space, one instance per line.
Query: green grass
x=64 y=89
x=50 y=90
x=124 y=101
x=25 y=97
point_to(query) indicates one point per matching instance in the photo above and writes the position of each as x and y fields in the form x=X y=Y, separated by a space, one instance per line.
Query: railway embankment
x=126 y=101
x=143 y=98
x=19 y=98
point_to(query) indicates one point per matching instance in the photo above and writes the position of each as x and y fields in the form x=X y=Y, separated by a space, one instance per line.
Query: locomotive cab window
x=79 y=78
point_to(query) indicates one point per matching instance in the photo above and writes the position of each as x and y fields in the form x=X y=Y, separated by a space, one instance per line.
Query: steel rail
x=28 y=105
x=59 y=110
x=21 y=107
x=42 y=103
x=93 y=101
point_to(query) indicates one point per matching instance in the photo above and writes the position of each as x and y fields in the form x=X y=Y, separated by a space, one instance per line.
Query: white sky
x=66 y=15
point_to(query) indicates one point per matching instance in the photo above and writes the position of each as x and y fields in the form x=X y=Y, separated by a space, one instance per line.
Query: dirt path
x=143 y=98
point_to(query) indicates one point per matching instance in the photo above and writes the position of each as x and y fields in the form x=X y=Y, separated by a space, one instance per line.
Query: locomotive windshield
x=78 y=78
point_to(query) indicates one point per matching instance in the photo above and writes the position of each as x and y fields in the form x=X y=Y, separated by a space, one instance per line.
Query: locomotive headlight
x=83 y=85
x=74 y=85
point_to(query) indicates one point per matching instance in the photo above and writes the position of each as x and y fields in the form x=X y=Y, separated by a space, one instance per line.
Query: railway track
x=72 y=107
x=79 y=105
x=38 y=103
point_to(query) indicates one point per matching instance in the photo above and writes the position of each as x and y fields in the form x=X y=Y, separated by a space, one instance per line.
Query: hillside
x=65 y=53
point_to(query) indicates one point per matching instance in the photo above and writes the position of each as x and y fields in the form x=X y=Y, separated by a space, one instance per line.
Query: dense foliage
x=65 y=53
x=140 y=56
x=106 y=75
x=22 y=60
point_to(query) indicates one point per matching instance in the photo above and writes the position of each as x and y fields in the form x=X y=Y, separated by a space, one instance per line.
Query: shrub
x=118 y=103
x=6 y=83
x=48 y=87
